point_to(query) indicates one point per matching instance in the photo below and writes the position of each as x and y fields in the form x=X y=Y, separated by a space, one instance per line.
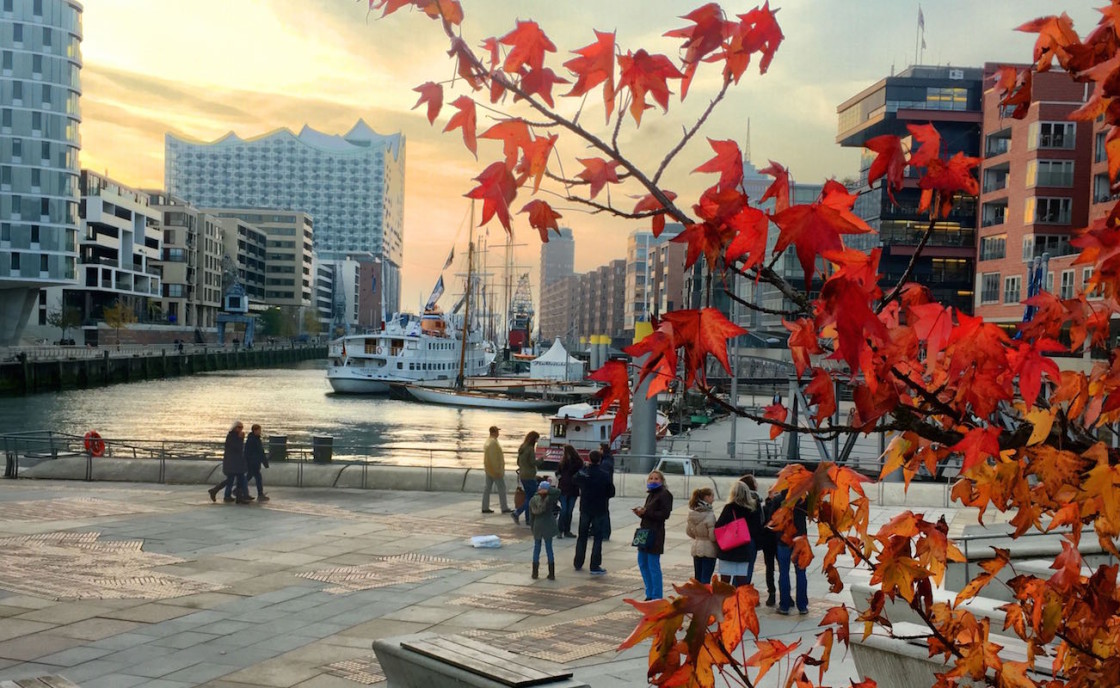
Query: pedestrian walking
x=494 y=464
x=736 y=563
x=570 y=466
x=233 y=466
x=608 y=466
x=527 y=474
x=785 y=555
x=702 y=529
x=541 y=506
x=596 y=491
x=650 y=536
x=766 y=540
x=254 y=460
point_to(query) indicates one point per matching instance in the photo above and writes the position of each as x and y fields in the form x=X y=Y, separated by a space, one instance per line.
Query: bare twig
x=910 y=267
x=691 y=132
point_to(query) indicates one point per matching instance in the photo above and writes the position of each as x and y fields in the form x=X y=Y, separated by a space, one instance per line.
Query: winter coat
x=608 y=462
x=566 y=472
x=542 y=507
x=254 y=454
x=494 y=461
x=702 y=529
x=658 y=507
x=730 y=513
x=595 y=490
x=527 y=462
x=233 y=456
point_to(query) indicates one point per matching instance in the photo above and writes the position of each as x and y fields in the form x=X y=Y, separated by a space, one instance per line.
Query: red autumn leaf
x=838 y=616
x=542 y=217
x=978 y=445
x=535 y=160
x=704 y=37
x=779 y=190
x=890 y=161
x=821 y=391
x=594 y=66
x=1029 y=362
x=703 y=238
x=804 y=341
x=702 y=332
x=728 y=163
x=644 y=74
x=1055 y=36
x=617 y=377
x=1013 y=88
x=948 y=178
x=464 y=63
x=432 y=94
x=660 y=365
x=757 y=31
x=464 y=118
x=769 y=653
x=933 y=323
x=528 y=46
x=650 y=204
x=490 y=45
x=816 y=228
x=598 y=173
x=514 y=134
x=752 y=228
x=540 y=82
x=496 y=189
x=930 y=148
x=449 y=11
x=775 y=412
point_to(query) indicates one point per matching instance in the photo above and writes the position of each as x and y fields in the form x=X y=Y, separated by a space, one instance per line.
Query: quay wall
x=28 y=375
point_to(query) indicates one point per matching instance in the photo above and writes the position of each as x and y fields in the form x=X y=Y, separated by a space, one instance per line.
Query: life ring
x=94 y=444
x=380 y=349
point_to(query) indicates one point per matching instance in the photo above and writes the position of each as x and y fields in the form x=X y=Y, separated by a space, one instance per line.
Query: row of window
x=1013 y=292
x=1034 y=246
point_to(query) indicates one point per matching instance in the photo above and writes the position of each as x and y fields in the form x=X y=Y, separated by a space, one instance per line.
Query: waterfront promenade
x=131 y=584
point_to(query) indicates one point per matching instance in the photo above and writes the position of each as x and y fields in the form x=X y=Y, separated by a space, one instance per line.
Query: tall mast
x=467 y=304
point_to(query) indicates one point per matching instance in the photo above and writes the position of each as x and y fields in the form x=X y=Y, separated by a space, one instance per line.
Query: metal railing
x=78 y=351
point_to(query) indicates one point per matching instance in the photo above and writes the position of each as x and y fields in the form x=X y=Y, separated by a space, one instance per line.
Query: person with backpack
x=544 y=525
x=736 y=563
x=766 y=540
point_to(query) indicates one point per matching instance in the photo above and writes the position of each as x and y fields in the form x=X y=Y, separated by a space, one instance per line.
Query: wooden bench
x=40 y=682
x=424 y=660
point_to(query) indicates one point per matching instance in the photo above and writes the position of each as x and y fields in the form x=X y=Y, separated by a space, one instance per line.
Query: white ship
x=408 y=350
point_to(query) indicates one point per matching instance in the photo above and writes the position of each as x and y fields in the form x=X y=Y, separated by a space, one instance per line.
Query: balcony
x=997 y=146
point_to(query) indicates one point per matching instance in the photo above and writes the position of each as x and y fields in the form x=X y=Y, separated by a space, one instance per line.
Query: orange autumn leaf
x=775 y=412
x=702 y=332
x=542 y=218
x=617 y=377
x=432 y=94
x=739 y=616
x=496 y=189
x=769 y=653
x=464 y=118
x=645 y=74
x=528 y=45
x=594 y=66
x=598 y=173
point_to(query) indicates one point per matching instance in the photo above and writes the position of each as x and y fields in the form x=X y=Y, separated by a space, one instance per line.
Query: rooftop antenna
x=747 y=147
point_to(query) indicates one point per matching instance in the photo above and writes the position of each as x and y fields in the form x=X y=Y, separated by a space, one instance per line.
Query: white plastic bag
x=486 y=541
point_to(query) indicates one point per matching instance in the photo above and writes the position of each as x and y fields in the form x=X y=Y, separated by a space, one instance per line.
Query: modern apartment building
x=950 y=99
x=593 y=303
x=289 y=239
x=639 y=272
x=667 y=278
x=558 y=258
x=1040 y=179
x=353 y=185
x=191 y=262
x=557 y=311
x=245 y=248
x=40 y=85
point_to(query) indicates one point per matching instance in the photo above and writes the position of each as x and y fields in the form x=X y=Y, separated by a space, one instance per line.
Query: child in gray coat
x=542 y=507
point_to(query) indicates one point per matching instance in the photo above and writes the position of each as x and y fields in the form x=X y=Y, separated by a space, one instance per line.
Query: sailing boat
x=458 y=395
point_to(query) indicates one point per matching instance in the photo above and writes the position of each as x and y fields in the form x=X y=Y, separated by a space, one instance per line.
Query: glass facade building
x=40 y=86
x=353 y=185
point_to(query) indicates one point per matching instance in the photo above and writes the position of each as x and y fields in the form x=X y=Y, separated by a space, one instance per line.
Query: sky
x=203 y=68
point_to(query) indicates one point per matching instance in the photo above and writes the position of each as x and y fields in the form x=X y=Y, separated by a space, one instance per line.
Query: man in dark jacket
x=233 y=464
x=254 y=459
x=596 y=490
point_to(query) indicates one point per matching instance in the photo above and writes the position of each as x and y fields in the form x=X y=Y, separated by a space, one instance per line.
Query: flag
x=436 y=293
x=450 y=258
x=921 y=20
x=923 y=42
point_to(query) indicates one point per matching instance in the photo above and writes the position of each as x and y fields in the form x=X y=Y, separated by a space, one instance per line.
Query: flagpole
x=917 y=30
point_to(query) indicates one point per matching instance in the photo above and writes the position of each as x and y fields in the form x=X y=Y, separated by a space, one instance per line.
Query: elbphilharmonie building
x=352 y=185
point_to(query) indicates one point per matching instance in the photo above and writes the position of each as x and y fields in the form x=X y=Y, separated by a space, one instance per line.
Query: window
x=1047 y=211
x=1011 y=289
x=1086 y=280
x=17 y=150
x=17 y=33
x=6 y=118
x=17 y=92
x=47 y=37
x=1052 y=135
x=34 y=234
x=1050 y=173
x=1100 y=153
x=989 y=288
x=6 y=61
x=37 y=65
x=15 y=261
x=43 y=265
x=992 y=248
x=37 y=8
x=1067 y=285
x=1102 y=190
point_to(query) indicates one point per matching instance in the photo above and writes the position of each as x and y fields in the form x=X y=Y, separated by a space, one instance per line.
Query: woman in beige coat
x=702 y=529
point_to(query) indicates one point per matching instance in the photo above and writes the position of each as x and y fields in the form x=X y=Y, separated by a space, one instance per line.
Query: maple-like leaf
x=464 y=118
x=948 y=178
x=617 y=377
x=739 y=616
x=528 y=47
x=779 y=189
x=778 y=413
x=839 y=617
x=1013 y=88
x=660 y=364
x=496 y=189
x=821 y=391
x=728 y=163
x=701 y=332
x=594 y=66
x=464 y=63
x=539 y=82
x=804 y=341
x=978 y=444
x=770 y=652
x=644 y=74
x=890 y=161
x=514 y=134
x=752 y=228
x=493 y=49
x=1029 y=362
x=758 y=31
x=535 y=160
x=816 y=228
x=598 y=173
x=704 y=37
x=897 y=571
x=542 y=217
x=703 y=238
x=650 y=204
x=432 y=94
x=930 y=148
x=1055 y=36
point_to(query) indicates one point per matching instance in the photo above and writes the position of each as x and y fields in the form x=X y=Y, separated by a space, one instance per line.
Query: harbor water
x=293 y=401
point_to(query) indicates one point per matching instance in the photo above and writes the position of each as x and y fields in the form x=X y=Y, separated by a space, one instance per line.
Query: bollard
x=322 y=448
x=277 y=448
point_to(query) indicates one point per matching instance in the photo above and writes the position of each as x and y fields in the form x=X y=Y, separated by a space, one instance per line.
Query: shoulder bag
x=734 y=534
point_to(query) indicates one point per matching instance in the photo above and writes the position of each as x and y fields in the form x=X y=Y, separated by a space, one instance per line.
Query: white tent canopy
x=556 y=364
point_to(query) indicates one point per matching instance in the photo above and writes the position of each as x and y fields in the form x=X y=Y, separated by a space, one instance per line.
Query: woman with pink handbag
x=737 y=550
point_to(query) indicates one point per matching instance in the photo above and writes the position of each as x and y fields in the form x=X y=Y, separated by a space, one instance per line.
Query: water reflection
x=295 y=401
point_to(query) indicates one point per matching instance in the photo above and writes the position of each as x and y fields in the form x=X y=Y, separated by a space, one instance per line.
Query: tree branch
x=691 y=132
x=910 y=267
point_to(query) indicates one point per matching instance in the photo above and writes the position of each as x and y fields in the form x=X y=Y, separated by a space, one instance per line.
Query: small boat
x=477 y=399
x=579 y=426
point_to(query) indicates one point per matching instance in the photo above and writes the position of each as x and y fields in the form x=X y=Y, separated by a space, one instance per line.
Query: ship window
x=400 y=366
x=412 y=366
x=559 y=430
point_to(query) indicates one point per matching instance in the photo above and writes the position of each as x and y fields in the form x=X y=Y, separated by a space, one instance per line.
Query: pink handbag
x=734 y=534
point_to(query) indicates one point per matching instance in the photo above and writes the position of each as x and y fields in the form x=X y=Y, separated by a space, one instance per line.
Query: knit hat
x=544 y=485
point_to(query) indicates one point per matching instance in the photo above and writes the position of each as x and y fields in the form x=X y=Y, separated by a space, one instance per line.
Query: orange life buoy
x=94 y=444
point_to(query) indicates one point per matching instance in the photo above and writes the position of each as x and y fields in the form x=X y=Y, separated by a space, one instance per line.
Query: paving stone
x=14 y=628
x=75 y=655
x=95 y=629
x=201 y=673
x=36 y=645
x=185 y=639
x=114 y=681
x=149 y=613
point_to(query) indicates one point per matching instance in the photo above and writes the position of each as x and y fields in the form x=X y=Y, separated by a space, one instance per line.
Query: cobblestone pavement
x=117 y=586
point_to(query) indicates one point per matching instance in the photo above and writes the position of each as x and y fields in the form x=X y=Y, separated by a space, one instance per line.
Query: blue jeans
x=752 y=555
x=260 y=481
x=547 y=549
x=703 y=568
x=784 y=600
x=530 y=489
x=650 y=566
x=567 y=508
x=242 y=485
